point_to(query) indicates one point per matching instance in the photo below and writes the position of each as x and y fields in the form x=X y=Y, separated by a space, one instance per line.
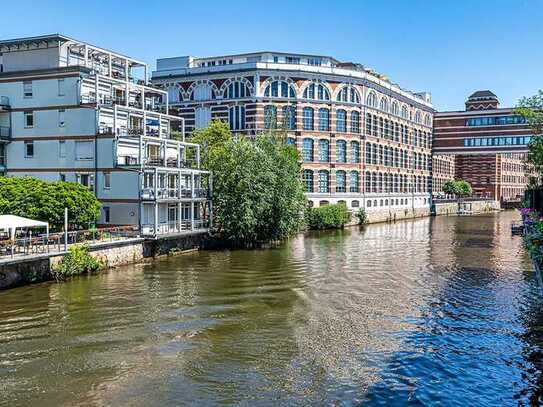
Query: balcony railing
x=172 y=193
x=5 y=132
x=182 y=226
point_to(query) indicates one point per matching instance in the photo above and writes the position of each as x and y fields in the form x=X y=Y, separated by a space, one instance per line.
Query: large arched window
x=355 y=122
x=289 y=117
x=341 y=121
x=395 y=109
x=307 y=150
x=341 y=151
x=354 y=182
x=202 y=117
x=371 y=100
x=237 y=89
x=427 y=120
x=418 y=117
x=270 y=117
x=348 y=94
x=324 y=181
x=405 y=113
x=341 y=182
x=383 y=105
x=174 y=94
x=236 y=117
x=307 y=178
x=355 y=152
x=308 y=118
x=324 y=119
x=316 y=91
x=202 y=91
x=324 y=151
x=280 y=89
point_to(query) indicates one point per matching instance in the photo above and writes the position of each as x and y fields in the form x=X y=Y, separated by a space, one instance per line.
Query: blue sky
x=450 y=48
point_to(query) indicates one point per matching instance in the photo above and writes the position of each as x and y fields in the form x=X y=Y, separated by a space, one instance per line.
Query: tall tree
x=531 y=108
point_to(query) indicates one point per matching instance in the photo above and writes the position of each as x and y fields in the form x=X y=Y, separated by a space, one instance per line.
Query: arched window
x=427 y=120
x=307 y=179
x=324 y=119
x=341 y=121
x=237 y=89
x=202 y=91
x=355 y=122
x=307 y=150
x=236 y=117
x=316 y=91
x=289 y=117
x=383 y=105
x=270 y=117
x=323 y=203
x=395 y=109
x=341 y=151
x=418 y=117
x=280 y=89
x=174 y=94
x=291 y=141
x=324 y=151
x=348 y=94
x=354 y=182
x=371 y=100
x=324 y=181
x=202 y=117
x=405 y=113
x=340 y=181
x=369 y=203
x=355 y=152
x=308 y=118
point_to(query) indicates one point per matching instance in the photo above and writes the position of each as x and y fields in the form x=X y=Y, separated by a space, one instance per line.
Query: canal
x=442 y=311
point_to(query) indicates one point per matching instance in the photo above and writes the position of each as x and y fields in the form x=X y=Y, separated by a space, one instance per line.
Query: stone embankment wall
x=454 y=208
x=35 y=269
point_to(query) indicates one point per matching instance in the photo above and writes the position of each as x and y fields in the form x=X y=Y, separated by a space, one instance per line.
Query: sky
x=449 y=48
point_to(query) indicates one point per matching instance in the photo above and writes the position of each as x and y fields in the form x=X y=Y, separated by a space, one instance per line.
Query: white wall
x=45 y=92
x=33 y=59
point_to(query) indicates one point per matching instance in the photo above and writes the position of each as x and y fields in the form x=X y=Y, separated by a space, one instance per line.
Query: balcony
x=185 y=225
x=148 y=193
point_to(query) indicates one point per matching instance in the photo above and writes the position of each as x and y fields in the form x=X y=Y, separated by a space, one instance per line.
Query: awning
x=11 y=222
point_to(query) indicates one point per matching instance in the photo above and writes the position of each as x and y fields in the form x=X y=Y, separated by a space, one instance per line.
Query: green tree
x=531 y=108
x=33 y=198
x=459 y=188
x=257 y=191
x=328 y=216
x=449 y=187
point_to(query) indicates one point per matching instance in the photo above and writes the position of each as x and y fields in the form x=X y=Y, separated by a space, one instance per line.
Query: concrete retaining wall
x=454 y=208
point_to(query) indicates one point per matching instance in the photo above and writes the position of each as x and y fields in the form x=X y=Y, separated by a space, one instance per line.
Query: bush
x=328 y=217
x=362 y=216
x=76 y=261
x=36 y=199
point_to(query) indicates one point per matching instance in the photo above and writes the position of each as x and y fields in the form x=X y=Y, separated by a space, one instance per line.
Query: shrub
x=362 y=216
x=328 y=217
x=76 y=261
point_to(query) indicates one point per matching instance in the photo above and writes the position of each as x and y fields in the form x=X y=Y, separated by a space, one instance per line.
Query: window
x=324 y=151
x=307 y=150
x=86 y=180
x=316 y=91
x=355 y=152
x=174 y=94
x=84 y=150
x=418 y=117
x=355 y=204
x=202 y=117
x=236 y=117
x=106 y=214
x=308 y=118
x=202 y=91
x=355 y=122
x=371 y=100
x=405 y=114
x=341 y=121
x=324 y=181
x=61 y=87
x=354 y=182
x=384 y=104
x=107 y=180
x=62 y=177
x=289 y=117
x=237 y=89
x=348 y=94
x=27 y=89
x=29 y=149
x=62 y=149
x=279 y=89
x=29 y=119
x=324 y=119
x=61 y=118
x=270 y=117
x=368 y=124
x=340 y=181
x=307 y=179
x=341 y=151
x=395 y=108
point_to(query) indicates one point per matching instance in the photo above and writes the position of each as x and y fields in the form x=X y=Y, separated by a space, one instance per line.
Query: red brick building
x=489 y=146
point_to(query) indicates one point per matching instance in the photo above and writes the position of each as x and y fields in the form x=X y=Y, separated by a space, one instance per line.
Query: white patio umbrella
x=11 y=222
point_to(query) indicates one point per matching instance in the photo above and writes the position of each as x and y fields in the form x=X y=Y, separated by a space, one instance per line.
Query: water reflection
x=441 y=310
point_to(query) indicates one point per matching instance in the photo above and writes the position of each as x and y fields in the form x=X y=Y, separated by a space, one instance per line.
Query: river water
x=443 y=311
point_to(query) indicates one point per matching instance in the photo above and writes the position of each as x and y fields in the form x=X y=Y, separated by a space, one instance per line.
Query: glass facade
x=495 y=120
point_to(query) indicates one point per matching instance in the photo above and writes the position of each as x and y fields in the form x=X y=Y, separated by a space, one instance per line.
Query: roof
x=482 y=94
x=246 y=54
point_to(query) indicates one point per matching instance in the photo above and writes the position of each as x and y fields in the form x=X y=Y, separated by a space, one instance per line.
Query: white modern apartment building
x=363 y=139
x=75 y=112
